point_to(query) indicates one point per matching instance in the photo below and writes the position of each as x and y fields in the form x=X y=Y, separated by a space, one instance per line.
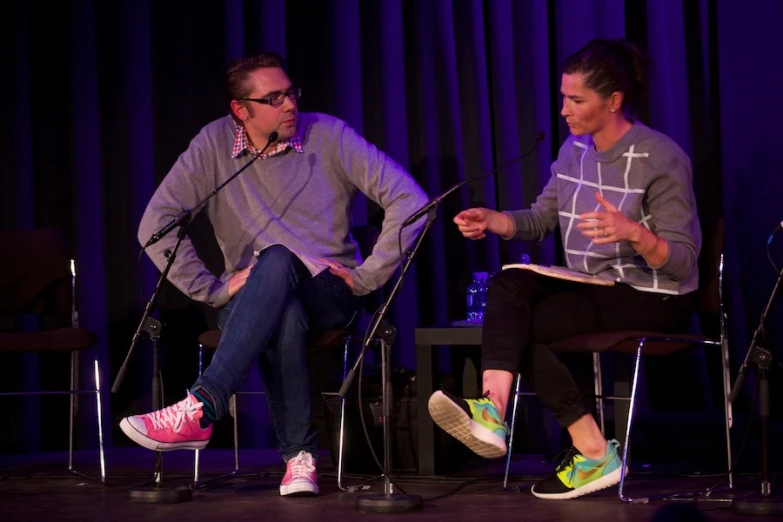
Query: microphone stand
x=157 y=493
x=389 y=501
x=762 y=358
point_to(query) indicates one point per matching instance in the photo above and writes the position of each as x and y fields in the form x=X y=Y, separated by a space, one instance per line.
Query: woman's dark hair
x=239 y=70
x=612 y=66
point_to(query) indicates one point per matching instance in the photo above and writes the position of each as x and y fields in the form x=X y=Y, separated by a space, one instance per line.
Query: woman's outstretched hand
x=474 y=222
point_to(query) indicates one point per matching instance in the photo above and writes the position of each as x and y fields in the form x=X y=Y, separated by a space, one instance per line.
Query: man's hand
x=237 y=281
x=340 y=271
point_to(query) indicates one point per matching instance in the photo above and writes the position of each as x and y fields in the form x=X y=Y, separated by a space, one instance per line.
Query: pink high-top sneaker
x=300 y=478
x=172 y=428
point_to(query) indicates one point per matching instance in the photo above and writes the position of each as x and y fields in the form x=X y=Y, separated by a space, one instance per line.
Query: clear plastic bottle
x=477 y=296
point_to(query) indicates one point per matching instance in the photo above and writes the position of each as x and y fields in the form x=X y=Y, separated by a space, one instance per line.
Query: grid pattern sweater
x=648 y=177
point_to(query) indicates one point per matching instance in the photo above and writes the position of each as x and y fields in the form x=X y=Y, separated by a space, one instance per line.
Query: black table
x=426 y=340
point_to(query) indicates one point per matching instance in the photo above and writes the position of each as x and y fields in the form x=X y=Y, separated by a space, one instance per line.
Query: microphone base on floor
x=389 y=503
x=156 y=494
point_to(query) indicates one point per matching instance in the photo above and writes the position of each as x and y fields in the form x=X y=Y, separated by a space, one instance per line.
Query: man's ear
x=239 y=109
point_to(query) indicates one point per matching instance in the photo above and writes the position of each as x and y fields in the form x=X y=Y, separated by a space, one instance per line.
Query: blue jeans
x=268 y=321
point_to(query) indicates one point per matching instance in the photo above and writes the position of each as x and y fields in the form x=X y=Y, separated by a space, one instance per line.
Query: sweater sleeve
x=535 y=223
x=389 y=185
x=672 y=205
x=183 y=188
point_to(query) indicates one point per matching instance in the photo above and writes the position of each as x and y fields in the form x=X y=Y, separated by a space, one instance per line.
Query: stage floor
x=36 y=487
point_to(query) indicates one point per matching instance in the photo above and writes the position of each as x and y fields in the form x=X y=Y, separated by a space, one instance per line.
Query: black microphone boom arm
x=184 y=216
x=437 y=201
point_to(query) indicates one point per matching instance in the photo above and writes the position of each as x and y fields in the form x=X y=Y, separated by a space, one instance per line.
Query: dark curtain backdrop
x=99 y=99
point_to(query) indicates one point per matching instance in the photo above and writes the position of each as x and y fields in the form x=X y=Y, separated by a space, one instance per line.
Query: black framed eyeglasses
x=277 y=99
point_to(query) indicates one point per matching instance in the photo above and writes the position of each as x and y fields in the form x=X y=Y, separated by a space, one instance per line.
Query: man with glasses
x=283 y=226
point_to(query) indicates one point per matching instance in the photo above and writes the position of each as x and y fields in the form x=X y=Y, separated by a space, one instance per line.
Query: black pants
x=526 y=310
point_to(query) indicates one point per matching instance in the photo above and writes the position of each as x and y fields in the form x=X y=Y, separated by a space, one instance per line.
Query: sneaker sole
x=604 y=482
x=299 y=489
x=453 y=420
x=154 y=445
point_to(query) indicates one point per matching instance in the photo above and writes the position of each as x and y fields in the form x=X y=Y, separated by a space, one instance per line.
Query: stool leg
x=599 y=393
x=627 y=445
x=72 y=408
x=517 y=383
x=342 y=422
x=233 y=410
x=197 y=453
x=727 y=407
x=100 y=420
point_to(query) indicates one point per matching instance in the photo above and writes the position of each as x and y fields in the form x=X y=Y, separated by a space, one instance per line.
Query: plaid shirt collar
x=242 y=143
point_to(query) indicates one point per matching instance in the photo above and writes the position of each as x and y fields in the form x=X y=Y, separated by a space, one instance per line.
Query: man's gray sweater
x=301 y=201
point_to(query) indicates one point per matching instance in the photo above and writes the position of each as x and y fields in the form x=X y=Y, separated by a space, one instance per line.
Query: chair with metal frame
x=712 y=316
x=38 y=282
x=366 y=237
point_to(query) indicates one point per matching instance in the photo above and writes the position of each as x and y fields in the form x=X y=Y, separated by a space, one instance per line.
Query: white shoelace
x=302 y=464
x=174 y=415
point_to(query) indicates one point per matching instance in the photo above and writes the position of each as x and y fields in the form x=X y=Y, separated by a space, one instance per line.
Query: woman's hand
x=610 y=226
x=474 y=222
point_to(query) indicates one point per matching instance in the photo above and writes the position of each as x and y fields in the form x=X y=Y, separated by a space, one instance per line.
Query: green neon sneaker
x=474 y=422
x=577 y=475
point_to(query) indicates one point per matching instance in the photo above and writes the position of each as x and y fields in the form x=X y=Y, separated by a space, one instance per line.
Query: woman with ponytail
x=623 y=198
